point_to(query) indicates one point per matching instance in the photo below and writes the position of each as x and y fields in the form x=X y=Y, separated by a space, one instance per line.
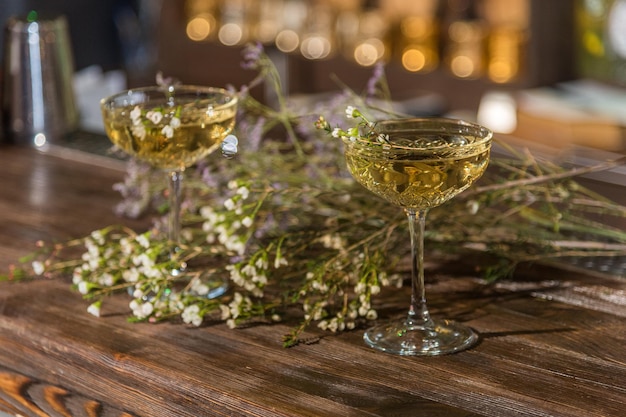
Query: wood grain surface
x=553 y=341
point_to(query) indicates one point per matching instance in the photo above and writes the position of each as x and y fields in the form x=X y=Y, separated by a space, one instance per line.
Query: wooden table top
x=553 y=341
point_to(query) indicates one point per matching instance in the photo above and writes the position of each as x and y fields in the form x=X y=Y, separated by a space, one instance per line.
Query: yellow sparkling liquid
x=419 y=176
x=199 y=134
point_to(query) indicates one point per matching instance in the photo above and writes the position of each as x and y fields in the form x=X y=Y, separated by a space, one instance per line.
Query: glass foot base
x=400 y=338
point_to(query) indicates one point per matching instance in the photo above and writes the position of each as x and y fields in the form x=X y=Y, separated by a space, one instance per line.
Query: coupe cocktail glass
x=171 y=128
x=426 y=162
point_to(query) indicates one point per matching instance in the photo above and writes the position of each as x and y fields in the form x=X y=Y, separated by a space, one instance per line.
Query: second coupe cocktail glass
x=425 y=163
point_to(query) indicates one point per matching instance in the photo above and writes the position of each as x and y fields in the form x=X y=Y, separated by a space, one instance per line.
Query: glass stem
x=175 y=179
x=418 y=312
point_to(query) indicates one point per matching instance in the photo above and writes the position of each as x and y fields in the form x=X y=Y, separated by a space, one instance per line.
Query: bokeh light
x=200 y=27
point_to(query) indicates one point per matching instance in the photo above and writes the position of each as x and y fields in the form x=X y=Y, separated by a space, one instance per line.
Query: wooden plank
x=21 y=395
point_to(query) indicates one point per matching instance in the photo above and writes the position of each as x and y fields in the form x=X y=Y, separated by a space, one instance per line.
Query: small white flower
x=235 y=244
x=135 y=115
x=108 y=253
x=147 y=308
x=175 y=122
x=198 y=287
x=364 y=309
x=225 y=311
x=244 y=192
x=92 y=248
x=350 y=112
x=98 y=237
x=143 y=241
x=94 y=263
x=106 y=279
x=143 y=260
x=151 y=271
x=371 y=315
x=318 y=314
x=247 y=221
x=38 y=267
x=473 y=206
x=229 y=204
x=333 y=325
x=336 y=132
x=126 y=246
x=130 y=275
x=332 y=241
x=141 y=310
x=235 y=275
x=83 y=287
x=382 y=138
x=261 y=263
x=167 y=131
x=154 y=116
x=139 y=131
x=94 y=309
x=248 y=270
x=191 y=315
x=77 y=275
x=260 y=279
x=207 y=226
x=223 y=237
x=208 y=213
x=279 y=260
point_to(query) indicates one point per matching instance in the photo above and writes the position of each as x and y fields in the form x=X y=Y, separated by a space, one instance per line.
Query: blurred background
x=544 y=62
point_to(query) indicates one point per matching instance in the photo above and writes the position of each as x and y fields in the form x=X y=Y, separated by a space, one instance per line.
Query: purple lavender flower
x=254 y=135
x=207 y=175
x=252 y=54
x=377 y=75
x=135 y=190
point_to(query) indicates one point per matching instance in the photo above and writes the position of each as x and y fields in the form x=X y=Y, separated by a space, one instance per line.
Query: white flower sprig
x=144 y=121
x=363 y=130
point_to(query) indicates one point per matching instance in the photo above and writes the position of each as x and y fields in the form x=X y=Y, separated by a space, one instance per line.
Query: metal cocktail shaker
x=38 y=104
